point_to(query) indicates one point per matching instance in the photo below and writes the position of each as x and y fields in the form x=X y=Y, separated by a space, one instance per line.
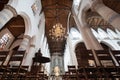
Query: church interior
x=59 y=39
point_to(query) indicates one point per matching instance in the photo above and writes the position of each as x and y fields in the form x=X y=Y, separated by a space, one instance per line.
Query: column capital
x=13 y=10
x=32 y=45
x=96 y=3
x=27 y=36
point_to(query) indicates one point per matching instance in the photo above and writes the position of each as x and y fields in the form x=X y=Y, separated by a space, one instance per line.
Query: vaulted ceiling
x=16 y=25
x=94 y=19
x=55 y=11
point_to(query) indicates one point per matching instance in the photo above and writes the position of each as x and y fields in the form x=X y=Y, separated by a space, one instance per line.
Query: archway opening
x=81 y=54
x=15 y=29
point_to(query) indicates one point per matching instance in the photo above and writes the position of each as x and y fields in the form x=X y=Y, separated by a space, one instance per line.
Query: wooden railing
x=81 y=72
x=14 y=70
x=107 y=69
x=92 y=73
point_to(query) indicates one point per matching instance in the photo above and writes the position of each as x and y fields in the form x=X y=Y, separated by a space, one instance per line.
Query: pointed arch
x=27 y=23
x=74 y=32
x=95 y=33
x=117 y=31
x=112 y=33
x=107 y=44
x=103 y=34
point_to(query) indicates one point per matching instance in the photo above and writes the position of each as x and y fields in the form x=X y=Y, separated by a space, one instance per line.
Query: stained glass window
x=4 y=40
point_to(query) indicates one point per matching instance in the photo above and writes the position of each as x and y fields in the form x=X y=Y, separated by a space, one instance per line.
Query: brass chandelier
x=57 y=32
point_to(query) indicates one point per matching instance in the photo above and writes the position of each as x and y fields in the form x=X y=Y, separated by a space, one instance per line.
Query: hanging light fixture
x=57 y=32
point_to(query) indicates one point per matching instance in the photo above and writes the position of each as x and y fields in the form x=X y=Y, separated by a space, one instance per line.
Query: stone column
x=28 y=57
x=29 y=54
x=25 y=42
x=89 y=39
x=6 y=14
x=107 y=14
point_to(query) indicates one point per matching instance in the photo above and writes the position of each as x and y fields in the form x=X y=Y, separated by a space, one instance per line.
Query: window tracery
x=4 y=40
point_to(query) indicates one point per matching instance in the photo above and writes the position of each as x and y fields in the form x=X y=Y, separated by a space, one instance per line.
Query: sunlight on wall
x=103 y=34
x=4 y=40
x=112 y=34
x=76 y=2
x=72 y=40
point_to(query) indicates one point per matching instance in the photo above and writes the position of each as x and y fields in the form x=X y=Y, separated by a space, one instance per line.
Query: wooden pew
x=3 y=57
x=116 y=54
x=72 y=72
x=104 y=56
x=13 y=71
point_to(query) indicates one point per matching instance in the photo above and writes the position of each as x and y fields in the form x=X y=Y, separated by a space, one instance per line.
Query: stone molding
x=27 y=36
x=13 y=10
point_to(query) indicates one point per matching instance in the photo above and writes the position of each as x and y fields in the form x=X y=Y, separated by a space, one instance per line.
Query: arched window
x=95 y=33
x=103 y=34
x=75 y=34
x=118 y=32
x=4 y=40
x=112 y=34
x=107 y=62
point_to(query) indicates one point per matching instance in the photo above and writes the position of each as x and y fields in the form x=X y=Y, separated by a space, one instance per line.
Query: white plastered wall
x=34 y=23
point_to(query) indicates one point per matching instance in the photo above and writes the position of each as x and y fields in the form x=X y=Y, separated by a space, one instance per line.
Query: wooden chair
x=3 y=56
x=34 y=72
x=22 y=72
x=72 y=72
x=106 y=62
x=14 y=65
x=92 y=73
x=37 y=76
x=82 y=73
x=65 y=76
x=42 y=76
x=116 y=54
x=105 y=57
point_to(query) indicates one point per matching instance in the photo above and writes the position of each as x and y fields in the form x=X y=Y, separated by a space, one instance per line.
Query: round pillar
x=25 y=42
x=30 y=54
x=6 y=14
x=28 y=57
x=89 y=39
